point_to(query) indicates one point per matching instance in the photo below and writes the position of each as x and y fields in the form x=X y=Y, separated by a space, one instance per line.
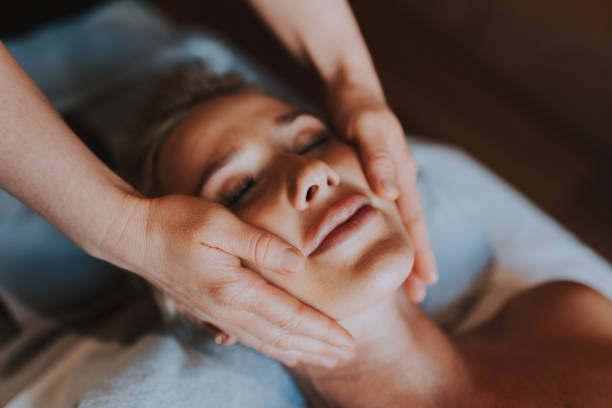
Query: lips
x=339 y=223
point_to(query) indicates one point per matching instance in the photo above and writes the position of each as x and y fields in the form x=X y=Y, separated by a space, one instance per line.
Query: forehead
x=237 y=115
x=222 y=123
x=216 y=127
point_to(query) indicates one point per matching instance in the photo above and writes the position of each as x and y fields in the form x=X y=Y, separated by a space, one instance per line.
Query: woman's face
x=279 y=169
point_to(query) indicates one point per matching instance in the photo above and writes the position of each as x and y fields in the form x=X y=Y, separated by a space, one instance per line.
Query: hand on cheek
x=192 y=255
x=390 y=168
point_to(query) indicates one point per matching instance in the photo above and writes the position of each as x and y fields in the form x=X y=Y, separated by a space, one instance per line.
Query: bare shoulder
x=560 y=309
x=553 y=346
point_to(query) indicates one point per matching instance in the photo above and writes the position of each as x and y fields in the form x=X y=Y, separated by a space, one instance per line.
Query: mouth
x=340 y=222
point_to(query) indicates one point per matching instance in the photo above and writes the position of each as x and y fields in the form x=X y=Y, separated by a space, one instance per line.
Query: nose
x=313 y=179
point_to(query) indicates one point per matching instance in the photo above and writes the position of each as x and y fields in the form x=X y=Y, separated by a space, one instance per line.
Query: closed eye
x=239 y=192
x=244 y=187
x=320 y=140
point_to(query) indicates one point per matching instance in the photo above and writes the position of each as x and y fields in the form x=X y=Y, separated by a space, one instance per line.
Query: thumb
x=256 y=246
x=379 y=166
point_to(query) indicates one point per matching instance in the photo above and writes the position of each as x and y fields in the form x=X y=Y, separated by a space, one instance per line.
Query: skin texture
x=188 y=246
x=279 y=203
x=550 y=346
x=247 y=123
x=359 y=111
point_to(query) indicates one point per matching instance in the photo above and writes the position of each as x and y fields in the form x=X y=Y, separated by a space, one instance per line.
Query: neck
x=402 y=357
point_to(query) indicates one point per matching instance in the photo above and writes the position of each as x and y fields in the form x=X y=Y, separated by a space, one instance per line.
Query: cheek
x=384 y=266
x=344 y=160
x=352 y=280
x=271 y=214
x=346 y=163
x=278 y=219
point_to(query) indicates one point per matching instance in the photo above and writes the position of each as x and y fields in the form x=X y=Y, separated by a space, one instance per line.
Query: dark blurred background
x=523 y=86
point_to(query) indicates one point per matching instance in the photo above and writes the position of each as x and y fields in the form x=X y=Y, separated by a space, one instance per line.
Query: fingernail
x=345 y=354
x=434 y=278
x=290 y=363
x=389 y=187
x=421 y=295
x=350 y=350
x=344 y=344
x=329 y=363
x=292 y=261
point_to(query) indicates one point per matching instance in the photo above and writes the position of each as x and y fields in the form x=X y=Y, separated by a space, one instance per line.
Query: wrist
x=122 y=241
x=351 y=81
x=348 y=96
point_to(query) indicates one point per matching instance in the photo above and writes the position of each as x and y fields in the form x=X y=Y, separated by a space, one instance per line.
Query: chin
x=381 y=269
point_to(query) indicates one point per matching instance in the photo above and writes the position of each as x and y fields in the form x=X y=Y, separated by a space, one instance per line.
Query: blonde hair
x=176 y=93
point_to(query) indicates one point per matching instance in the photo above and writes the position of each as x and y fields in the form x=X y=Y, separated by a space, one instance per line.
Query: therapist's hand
x=193 y=250
x=362 y=116
x=332 y=43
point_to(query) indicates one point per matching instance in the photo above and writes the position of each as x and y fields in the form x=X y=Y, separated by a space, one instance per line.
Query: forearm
x=324 y=33
x=45 y=165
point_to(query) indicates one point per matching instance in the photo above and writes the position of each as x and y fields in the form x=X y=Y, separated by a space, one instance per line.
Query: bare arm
x=45 y=165
x=325 y=34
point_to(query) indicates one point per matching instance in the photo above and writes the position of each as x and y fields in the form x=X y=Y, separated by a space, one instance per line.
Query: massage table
x=76 y=330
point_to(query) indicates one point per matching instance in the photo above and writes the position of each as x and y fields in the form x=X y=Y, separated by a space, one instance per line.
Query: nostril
x=329 y=181
x=311 y=192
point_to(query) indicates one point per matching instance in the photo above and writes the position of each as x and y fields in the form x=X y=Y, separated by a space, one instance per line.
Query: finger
x=222 y=334
x=282 y=339
x=284 y=310
x=424 y=260
x=194 y=317
x=378 y=163
x=218 y=335
x=254 y=245
x=409 y=205
x=291 y=357
x=415 y=289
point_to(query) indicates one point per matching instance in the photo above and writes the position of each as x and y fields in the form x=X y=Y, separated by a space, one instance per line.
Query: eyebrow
x=210 y=170
x=288 y=118
x=284 y=120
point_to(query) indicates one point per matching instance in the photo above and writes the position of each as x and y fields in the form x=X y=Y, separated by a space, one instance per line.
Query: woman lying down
x=280 y=169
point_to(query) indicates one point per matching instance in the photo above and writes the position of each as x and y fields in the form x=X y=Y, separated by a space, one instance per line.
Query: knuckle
x=282 y=341
x=381 y=160
x=368 y=120
x=294 y=321
x=247 y=300
x=217 y=294
x=268 y=350
x=208 y=221
x=251 y=295
x=328 y=329
x=379 y=121
x=213 y=312
x=380 y=157
x=261 y=246
x=226 y=295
